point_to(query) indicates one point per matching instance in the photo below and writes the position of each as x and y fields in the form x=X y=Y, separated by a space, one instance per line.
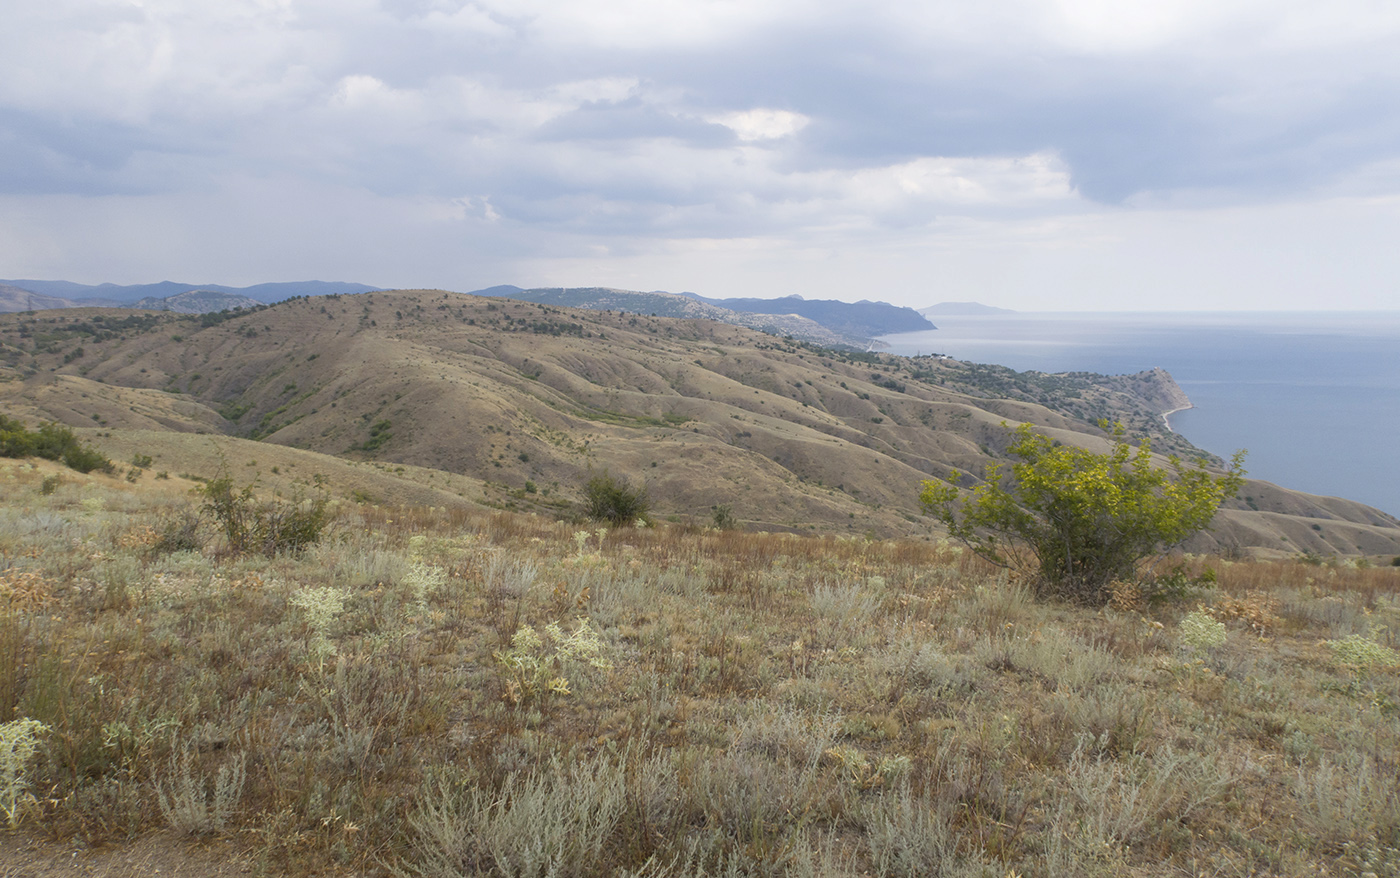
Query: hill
x=15 y=299
x=512 y=404
x=197 y=302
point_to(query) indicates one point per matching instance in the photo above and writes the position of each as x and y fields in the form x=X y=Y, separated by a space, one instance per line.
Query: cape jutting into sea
x=1313 y=396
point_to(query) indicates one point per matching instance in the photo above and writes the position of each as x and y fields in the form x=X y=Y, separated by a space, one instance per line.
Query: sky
x=1030 y=154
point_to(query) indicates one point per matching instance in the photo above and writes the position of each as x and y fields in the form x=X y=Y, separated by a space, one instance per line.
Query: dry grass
x=764 y=704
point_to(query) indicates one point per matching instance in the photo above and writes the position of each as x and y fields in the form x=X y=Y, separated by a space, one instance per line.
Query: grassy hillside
x=512 y=404
x=440 y=692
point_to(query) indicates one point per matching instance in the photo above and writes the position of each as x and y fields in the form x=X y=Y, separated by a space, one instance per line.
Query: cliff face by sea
x=1159 y=388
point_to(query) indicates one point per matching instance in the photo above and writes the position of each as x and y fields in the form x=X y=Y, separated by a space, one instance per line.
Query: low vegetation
x=432 y=692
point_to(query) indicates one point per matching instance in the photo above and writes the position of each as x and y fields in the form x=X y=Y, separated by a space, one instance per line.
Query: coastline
x=1167 y=416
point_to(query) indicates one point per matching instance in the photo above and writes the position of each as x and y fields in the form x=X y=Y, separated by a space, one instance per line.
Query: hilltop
x=508 y=404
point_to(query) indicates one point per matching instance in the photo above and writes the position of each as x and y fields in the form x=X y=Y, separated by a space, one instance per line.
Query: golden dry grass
x=770 y=704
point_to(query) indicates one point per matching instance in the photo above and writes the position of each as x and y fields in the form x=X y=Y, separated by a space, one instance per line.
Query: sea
x=1313 y=397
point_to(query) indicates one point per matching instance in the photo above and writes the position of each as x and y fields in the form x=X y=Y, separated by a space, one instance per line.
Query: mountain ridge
x=82 y=295
x=512 y=404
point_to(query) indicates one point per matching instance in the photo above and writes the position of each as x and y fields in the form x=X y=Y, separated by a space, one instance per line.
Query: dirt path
x=23 y=856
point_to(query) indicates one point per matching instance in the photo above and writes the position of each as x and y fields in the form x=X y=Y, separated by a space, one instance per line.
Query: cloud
x=762 y=123
x=663 y=126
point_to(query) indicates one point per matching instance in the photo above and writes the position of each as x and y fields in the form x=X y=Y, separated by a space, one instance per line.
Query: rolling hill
x=462 y=399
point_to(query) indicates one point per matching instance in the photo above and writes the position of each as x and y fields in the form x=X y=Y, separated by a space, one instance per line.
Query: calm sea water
x=1314 y=397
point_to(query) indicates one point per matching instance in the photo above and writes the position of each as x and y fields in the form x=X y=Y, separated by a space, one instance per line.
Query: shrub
x=193 y=805
x=265 y=528
x=618 y=502
x=723 y=517
x=51 y=442
x=15 y=440
x=177 y=532
x=1080 y=519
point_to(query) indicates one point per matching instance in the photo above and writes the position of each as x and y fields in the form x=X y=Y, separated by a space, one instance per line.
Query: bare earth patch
x=159 y=854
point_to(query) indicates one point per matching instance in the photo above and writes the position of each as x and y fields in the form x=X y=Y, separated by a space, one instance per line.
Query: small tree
x=1079 y=519
x=608 y=498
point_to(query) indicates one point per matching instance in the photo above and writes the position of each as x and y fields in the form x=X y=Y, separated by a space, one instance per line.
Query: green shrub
x=15 y=440
x=723 y=517
x=608 y=498
x=51 y=442
x=1079 y=519
x=265 y=528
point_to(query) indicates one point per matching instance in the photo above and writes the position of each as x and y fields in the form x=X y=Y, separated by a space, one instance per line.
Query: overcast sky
x=1032 y=154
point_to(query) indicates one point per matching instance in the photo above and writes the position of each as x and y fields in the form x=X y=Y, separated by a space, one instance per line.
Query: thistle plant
x=19 y=739
x=423 y=579
x=536 y=665
x=1362 y=653
x=1200 y=632
x=321 y=606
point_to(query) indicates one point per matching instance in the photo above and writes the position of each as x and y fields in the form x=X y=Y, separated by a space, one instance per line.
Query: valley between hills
x=431 y=398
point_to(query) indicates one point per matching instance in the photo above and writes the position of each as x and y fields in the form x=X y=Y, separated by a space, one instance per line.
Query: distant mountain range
x=819 y=321
x=66 y=294
x=864 y=318
x=825 y=322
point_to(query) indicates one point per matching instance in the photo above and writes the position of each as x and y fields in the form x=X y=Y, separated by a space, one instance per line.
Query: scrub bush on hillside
x=1080 y=520
x=264 y=528
x=51 y=442
x=616 y=501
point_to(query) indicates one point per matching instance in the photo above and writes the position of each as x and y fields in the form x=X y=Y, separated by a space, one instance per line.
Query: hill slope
x=513 y=404
x=16 y=299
